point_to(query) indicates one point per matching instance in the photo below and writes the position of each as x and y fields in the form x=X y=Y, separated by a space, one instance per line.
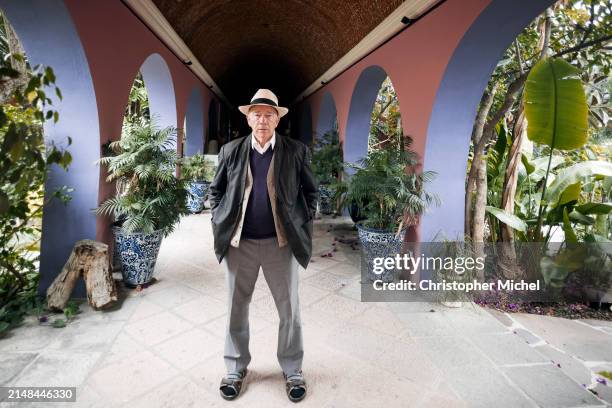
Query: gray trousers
x=280 y=269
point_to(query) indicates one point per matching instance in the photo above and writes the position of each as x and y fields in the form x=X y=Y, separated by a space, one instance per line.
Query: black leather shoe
x=232 y=384
x=295 y=386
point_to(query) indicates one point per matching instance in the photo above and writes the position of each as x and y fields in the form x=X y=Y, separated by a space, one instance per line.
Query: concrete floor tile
x=473 y=320
x=13 y=363
x=426 y=324
x=452 y=352
x=346 y=270
x=87 y=397
x=86 y=335
x=441 y=396
x=507 y=348
x=180 y=391
x=381 y=320
x=122 y=347
x=352 y=290
x=338 y=307
x=310 y=294
x=201 y=309
x=569 y=365
x=484 y=386
x=157 y=328
x=501 y=317
x=143 y=309
x=580 y=340
x=121 y=381
x=29 y=337
x=189 y=348
x=164 y=345
x=173 y=296
x=57 y=369
x=550 y=387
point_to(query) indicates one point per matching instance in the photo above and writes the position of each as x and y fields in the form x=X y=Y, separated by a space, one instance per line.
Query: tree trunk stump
x=88 y=259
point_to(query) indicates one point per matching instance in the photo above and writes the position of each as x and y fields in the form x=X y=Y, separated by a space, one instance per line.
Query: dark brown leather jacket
x=296 y=193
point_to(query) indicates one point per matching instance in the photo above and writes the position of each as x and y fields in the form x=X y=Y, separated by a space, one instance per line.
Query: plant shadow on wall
x=152 y=200
x=25 y=161
x=539 y=182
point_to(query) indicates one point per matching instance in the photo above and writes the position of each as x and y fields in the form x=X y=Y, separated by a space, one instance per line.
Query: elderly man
x=263 y=200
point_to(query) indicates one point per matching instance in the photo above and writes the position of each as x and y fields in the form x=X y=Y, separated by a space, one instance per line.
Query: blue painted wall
x=160 y=90
x=196 y=139
x=327 y=115
x=362 y=104
x=457 y=99
x=49 y=37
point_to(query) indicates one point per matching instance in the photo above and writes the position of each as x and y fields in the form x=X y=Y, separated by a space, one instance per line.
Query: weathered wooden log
x=88 y=259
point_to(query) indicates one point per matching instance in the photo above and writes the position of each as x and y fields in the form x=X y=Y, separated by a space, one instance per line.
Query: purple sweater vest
x=258 y=218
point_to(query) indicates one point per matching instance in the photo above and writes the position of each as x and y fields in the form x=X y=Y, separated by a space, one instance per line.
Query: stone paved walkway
x=162 y=347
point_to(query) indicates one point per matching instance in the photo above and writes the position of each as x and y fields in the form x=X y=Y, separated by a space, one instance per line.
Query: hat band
x=263 y=100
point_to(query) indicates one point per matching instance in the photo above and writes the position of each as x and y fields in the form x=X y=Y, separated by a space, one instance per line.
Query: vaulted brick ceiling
x=283 y=45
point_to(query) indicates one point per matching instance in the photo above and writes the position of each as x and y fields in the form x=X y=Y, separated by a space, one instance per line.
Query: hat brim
x=281 y=110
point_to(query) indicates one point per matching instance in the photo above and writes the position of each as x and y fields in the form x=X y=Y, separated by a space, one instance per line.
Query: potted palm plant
x=198 y=172
x=390 y=196
x=327 y=166
x=152 y=200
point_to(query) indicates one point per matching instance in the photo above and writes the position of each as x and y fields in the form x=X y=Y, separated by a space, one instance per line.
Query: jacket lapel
x=244 y=156
x=278 y=159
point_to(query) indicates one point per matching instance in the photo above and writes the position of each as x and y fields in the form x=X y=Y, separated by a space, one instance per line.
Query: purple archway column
x=362 y=104
x=327 y=118
x=62 y=50
x=196 y=139
x=457 y=99
x=160 y=90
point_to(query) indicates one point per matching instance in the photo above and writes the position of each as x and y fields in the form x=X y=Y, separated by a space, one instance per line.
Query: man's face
x=263 y=120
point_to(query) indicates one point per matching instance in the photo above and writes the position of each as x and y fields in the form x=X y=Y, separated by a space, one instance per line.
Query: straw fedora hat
x=264 y=97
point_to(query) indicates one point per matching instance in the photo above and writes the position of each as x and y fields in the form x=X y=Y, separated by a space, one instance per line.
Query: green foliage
x=385 y=187
x=4 y=43
x=572 y=176
x=25 y=161
x=567 y=104
x=555 y=105
x=327 y=162
x=138 y=104
x=145 y=159
x=507 y=218
x=71 y=310
x=607 y=374
x=385 y=120
x=197 y=168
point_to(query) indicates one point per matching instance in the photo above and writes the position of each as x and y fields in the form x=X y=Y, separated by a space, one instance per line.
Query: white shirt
x=255 y=144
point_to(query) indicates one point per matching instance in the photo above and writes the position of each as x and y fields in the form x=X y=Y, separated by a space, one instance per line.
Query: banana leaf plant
x=557 y=116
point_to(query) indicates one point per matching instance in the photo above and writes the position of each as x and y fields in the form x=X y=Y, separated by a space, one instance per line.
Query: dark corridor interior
x=280 y=45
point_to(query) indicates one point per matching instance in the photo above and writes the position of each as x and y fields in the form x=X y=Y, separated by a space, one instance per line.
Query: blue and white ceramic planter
x=197 y=195
x=326 y=199
x=137 y=254
x=379 y=244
